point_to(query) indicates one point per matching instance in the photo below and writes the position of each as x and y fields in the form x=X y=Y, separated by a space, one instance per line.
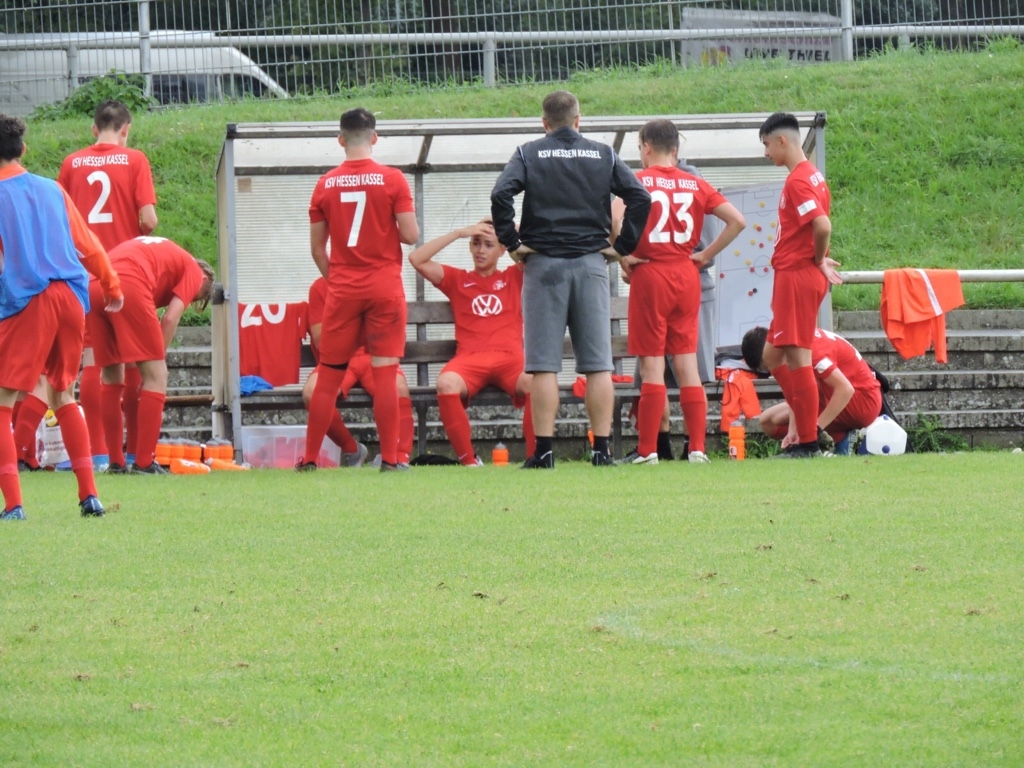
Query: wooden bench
x=424 y=353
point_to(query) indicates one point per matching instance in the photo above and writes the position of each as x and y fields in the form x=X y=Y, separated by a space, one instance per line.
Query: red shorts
x=360 y=372
x=132 y=335
x=480 y=369
x=347 y=322
x=862 y=410
x=664 y=309
x=44 y=339
x=796 y=296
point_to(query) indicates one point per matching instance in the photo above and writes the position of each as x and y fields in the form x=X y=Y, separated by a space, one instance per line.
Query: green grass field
x=843 y=612
x=924 y=149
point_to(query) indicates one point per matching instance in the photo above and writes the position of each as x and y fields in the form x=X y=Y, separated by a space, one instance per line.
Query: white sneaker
x=651 y=458
x=698 y=457
x=355 y=459
x=477 y=462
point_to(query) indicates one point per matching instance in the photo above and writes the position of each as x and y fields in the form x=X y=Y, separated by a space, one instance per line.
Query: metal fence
x=192 y=50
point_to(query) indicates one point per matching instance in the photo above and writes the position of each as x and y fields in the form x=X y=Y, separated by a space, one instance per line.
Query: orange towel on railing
x=914 y=303
x=739 y=398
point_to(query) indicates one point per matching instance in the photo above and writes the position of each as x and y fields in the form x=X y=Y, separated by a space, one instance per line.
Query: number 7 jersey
x=679 y=202
x=109 y=185
x=359 y=201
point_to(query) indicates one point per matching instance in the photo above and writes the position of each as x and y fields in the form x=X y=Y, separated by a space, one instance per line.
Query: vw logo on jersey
x=487 y=305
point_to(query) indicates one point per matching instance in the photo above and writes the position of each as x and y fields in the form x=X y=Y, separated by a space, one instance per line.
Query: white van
x=186 y=67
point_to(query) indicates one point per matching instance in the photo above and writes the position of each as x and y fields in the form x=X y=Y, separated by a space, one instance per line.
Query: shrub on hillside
x=128 y=89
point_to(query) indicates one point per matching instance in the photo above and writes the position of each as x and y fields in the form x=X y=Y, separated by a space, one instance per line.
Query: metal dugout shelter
x=266 y=173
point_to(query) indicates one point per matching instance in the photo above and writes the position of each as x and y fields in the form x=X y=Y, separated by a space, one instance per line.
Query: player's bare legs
x=152 y=396
x=600 y=402
x=524 y=385
x=451 y=392
x=775 y=420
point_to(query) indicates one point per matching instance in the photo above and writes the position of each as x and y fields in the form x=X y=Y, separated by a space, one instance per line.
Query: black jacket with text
x=567 y=182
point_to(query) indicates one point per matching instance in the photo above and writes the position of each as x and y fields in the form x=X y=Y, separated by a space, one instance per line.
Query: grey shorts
x=567 y=293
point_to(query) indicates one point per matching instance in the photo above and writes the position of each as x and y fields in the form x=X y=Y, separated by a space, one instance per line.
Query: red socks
x=405 y=429
x=91 y=401
x=113 y=423
x=804 y=403
x=694 y=405
x=322 y=409
x=648 y=422
x=130 y=403
x=75 y=435
x=29 y=415
x=456 y=426
x=10 y=485
x=385 y=410
x=151 y=419
x=338 y=434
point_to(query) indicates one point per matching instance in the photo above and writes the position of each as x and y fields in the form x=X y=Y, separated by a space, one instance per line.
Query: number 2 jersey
x=359 y=200
x=679 y=202
x=109 y=185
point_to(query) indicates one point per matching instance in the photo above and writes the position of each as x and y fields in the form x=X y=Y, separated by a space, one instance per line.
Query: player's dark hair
x=202 y=298
x=780 y=121
x=752 y=347
x=560 y=109
x=662 y=135
x=12 y=137
x=358 y=124
x=111 y=115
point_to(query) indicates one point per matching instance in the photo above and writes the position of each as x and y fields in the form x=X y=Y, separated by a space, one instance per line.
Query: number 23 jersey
x=679 y=202
x=109 y=185
x=359 y=201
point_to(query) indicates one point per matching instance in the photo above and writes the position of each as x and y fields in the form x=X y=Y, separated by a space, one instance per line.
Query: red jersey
x=165 y=267
x=679 y=202
x=359 y=200
x=315 y=311
x=109 y=185
x=829 y=352
x=805 y=197
x=270 y=341
x=488 y=310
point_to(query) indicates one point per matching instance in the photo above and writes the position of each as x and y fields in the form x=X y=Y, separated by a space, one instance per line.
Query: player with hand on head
x=359 y=372
x=112 y=186
x=803 y=273
x=849 y=395
x=664 y=296
x=365 y=210
x=47 y=253
x=488 y=332
x=567 y=183
x=157 y=274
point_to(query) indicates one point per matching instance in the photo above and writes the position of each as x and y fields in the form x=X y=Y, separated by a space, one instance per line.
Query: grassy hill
x=924 y=148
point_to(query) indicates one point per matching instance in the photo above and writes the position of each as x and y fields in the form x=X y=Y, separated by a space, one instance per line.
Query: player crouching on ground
x=45 y=250
x=486 y=305
x=664 y=295
x=359 y=371
x=849 y=395
x=156 y=273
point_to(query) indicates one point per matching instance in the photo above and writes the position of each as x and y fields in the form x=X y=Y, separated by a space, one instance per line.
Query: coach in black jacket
x=568 y=183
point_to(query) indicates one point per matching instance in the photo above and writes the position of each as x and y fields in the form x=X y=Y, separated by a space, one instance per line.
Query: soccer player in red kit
x=112 y=185
x=664 y=294
x=360 y=372
x=365 y=210
x=803 y=272
x=850 y=397
x=47 y=253
x=156 y=274
x=487 y=307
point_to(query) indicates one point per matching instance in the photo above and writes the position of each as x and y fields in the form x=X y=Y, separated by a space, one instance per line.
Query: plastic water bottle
x=499 y=456
x=738 y=440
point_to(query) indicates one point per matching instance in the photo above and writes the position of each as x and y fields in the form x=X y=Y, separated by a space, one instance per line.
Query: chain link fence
x=191 y=50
